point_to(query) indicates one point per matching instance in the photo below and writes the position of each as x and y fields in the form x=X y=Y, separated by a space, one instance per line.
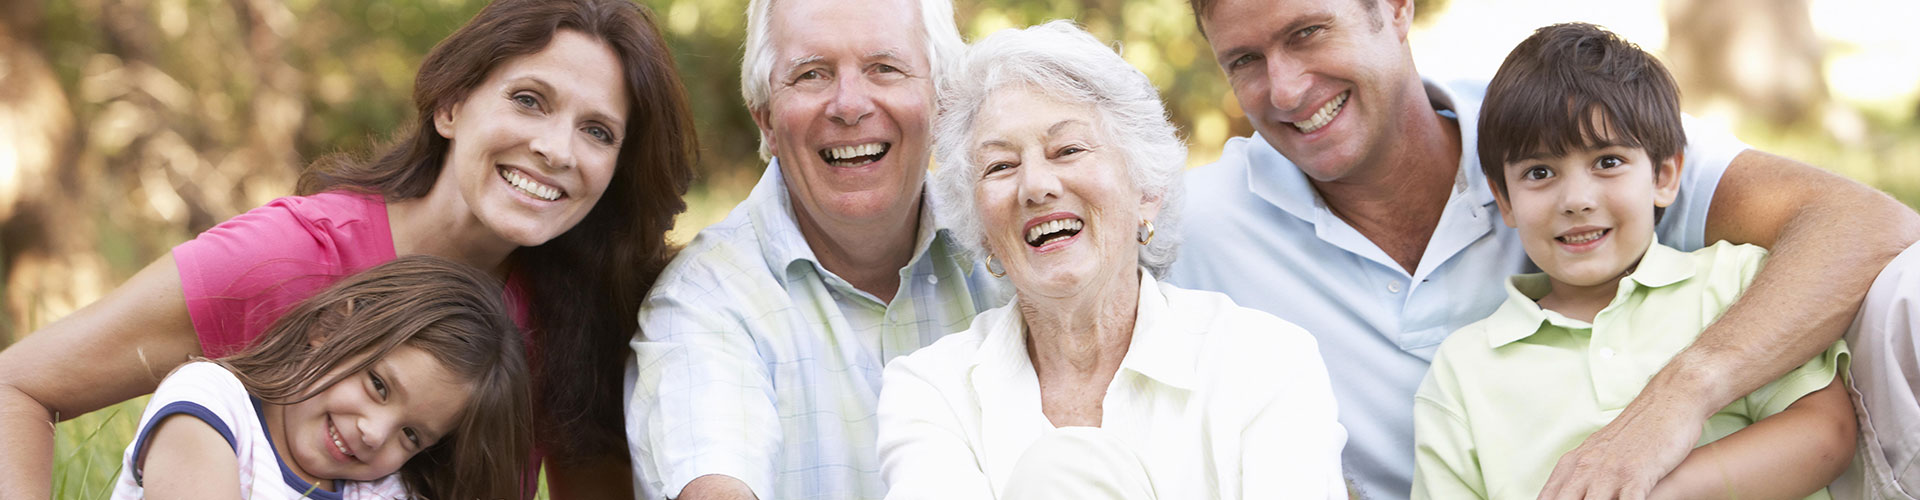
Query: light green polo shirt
x=1510 y=394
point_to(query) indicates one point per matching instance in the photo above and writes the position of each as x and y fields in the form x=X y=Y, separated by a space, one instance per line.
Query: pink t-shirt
x=243 y=274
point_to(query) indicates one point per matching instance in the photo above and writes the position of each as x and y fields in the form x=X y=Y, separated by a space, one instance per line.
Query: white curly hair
x=1062 y=61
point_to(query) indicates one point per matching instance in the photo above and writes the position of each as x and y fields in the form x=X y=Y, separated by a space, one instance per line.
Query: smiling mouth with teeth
x=1324 y=115
x=1054 y=230
x=1580 y=238
x=529 y=186
x=338 y=443
x=857 y=155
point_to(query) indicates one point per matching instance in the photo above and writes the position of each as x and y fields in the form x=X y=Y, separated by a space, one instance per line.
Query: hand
x=1627 y=457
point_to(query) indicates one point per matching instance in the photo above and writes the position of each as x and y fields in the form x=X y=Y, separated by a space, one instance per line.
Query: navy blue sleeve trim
x=177 y=407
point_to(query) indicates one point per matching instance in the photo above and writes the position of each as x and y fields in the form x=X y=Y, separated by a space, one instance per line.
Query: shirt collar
x=784 y=246
x=1164 y=348
x=1278 y=180
x=1520 y=316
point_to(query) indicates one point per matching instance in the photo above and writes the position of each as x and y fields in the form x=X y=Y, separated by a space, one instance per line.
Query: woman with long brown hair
x=551 y=147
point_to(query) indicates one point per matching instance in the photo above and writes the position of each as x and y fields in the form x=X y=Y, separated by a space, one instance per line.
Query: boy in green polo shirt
x=1580 y=138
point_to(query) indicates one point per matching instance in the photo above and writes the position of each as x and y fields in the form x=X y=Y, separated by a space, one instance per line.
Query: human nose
x=1038 y=184
x=1286 y=84
x=852 y=101
x=554 y=144
x=1578 y=195
x=377 y=427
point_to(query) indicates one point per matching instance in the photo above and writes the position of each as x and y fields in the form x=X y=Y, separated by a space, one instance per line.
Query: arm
x=1829 y=237
x=1445 y=462
x=186 y=458
x=114 y=349
x=1292 y=444
x=702 y=411
x=923 y=453
x=1786 y=456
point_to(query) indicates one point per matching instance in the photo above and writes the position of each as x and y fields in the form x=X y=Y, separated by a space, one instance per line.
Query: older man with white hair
x=757 y=365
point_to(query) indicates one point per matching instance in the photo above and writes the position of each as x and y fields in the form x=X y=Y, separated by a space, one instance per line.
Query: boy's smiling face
x=1586 y=217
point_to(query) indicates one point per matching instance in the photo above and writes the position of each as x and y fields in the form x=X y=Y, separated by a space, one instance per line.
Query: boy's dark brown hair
x=452 y=312
x=1564 y=87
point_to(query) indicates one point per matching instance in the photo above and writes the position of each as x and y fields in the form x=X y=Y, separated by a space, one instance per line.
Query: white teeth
x=843 y=153
x=337 y=442
x=1326 y=114
x=1052 y=226
x=529 y=186
x=1583 y=237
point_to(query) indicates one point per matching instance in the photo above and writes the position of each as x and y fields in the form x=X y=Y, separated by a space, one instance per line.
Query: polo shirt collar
x=1164 y=348
x=784 y=246
x=1521 y=316
x=1273 y=177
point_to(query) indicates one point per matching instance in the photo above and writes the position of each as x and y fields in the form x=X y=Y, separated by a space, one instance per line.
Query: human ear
x=1666 y=179
x=763 y=119
x=443 y=121
x=1402 y=16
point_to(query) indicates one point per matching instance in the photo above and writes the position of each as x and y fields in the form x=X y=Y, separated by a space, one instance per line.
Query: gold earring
x=1002 y=273
x=1145 y=234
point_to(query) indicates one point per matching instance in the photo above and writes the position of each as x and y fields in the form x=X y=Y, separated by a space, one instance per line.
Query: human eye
x=1308 y=32
x=526 y=100
x=601 y=134
x=1068 y=150
x=1240 y=61
x=379 y=384
x=412 y=436
x=1609 y=161
x=997 y=166
x=1536 y=172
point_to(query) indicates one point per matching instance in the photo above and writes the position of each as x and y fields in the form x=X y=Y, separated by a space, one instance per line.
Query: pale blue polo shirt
x=1256 y=230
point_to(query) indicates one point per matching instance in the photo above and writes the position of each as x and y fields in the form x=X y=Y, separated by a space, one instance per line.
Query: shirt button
x=1393 y=287
x=933 y=280
x=1606 y=353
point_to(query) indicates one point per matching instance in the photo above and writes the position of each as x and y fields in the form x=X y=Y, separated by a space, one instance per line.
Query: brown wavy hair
x=586 y=284
x=452 y=312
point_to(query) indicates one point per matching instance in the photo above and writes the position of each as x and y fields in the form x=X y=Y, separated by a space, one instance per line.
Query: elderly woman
x=1057 y=162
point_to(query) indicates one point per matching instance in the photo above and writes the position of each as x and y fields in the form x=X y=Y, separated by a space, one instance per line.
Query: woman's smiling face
x=1059 y=208
x=534 y=145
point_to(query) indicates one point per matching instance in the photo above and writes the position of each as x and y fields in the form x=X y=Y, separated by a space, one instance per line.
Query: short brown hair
x=1563 y=87
x=452 y=312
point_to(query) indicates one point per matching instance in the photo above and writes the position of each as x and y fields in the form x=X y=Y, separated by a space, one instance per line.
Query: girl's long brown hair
x=586 y=284
x=452 y=312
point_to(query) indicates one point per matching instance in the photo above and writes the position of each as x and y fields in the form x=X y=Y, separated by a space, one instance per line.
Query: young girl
x=405 y=380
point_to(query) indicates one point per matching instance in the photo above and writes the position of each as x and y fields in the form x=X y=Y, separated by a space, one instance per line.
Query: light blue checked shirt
x=755 y=362
x=1256 y=230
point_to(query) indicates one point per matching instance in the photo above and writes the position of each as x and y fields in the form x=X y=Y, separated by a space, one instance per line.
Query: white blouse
x=1220 y=401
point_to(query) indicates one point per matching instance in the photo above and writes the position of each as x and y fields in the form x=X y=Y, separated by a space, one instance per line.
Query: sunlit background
x=127 y=126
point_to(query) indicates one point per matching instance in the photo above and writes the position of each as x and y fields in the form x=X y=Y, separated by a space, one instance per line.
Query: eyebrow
x=1051 y=131
x=1543 y=153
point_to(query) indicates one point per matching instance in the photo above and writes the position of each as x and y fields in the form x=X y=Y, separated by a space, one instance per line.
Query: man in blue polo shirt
x=1355 y=212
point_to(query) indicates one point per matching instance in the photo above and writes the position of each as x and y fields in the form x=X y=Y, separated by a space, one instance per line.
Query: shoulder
x=719 y=257
x=1728 y=266
x=949 y=357
x=200 y=380
x=1242 y=344
x=1464 y=351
